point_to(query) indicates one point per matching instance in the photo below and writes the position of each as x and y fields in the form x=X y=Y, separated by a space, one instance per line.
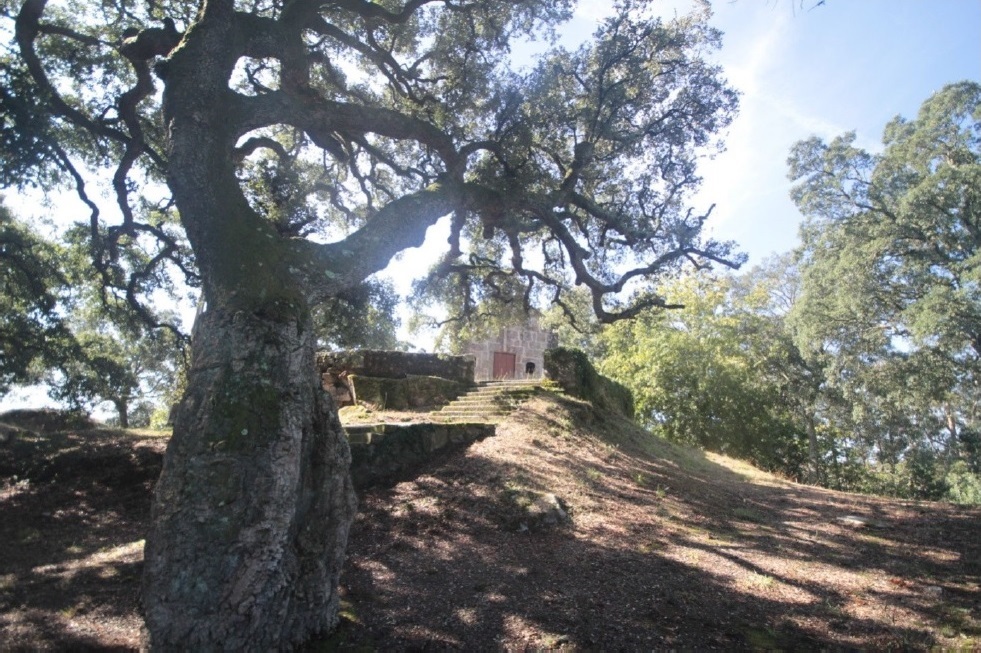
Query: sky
x=846 y=65
x=802 y=70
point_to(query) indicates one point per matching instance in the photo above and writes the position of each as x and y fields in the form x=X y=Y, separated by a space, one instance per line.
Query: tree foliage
x=60 y=327
x=854 y=362
x=891 y=296
x=859 y=353
x=720 y=373
x=33 y=335
x=123 y=363
x=363 y=317
x=587 y=159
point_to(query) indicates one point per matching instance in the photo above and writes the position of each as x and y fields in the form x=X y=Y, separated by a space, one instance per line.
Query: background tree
x=33 y=336
x=719 y=373
x=124 y=365
x=465 y=308
x=574 y=323
x=891 y=294
x=60 y=328
x=411 y=113
x=766 y=295
x=362 y=317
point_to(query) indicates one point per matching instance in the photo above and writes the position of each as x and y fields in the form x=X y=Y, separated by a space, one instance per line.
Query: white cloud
x=593 y=11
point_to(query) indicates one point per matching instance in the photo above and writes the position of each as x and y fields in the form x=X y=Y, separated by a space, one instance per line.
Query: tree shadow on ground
x=667 y=548
x=697 y=555
x=74 y=507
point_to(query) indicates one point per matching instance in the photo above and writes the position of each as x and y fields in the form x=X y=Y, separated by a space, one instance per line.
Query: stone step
x=490 y=401
x=493 y=385
x=519 y=384
x=476 y=405
x=455 y=412
x=499 y=397
x=490 y=391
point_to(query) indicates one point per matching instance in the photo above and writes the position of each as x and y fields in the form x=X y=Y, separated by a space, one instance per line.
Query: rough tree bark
x=252 y=510
x=122 y=411
x=253 y=506
x=813 y=453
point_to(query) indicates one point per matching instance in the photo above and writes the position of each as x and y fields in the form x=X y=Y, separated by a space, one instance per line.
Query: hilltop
x=570 y=528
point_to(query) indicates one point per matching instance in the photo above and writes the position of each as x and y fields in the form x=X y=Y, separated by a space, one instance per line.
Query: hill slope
x=667 y=547
x=663 y=547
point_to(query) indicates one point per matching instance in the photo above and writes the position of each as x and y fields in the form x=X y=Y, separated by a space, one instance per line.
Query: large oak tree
x=375 y=119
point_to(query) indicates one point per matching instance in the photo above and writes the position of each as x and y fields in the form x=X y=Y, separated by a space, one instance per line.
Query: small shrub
x=963 y=486
x=160 y=419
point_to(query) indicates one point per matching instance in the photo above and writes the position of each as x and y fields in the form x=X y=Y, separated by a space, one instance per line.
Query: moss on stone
x=571 y=369
x=406 y=393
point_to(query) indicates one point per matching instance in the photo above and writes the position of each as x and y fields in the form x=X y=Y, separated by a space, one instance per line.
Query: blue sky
x=845 y=65
x=802 y=71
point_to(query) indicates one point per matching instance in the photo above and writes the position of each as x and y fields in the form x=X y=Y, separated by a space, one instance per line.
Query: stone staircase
x=490 y=402
x=382 y=453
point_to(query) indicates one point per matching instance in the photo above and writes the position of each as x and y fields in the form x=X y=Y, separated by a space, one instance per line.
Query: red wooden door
x=503 y=365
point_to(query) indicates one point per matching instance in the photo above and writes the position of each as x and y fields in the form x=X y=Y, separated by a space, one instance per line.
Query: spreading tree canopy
x=281 y=152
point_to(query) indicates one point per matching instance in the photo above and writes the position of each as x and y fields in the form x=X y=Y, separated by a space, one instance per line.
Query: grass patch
x=343 y=638
x=650 y=547
x=748 y=514
x=762 y=639
x=348 y=613
x=760 y=581
x=957 y=623
x=28 y=535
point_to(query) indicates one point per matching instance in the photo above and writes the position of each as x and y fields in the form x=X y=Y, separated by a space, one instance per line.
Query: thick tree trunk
x=252 y=510
x=253 y=507
x=122 y=411
x=813 y=455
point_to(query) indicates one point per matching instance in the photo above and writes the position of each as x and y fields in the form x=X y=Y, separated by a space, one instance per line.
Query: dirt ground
x=74 y=505
x=661 y=547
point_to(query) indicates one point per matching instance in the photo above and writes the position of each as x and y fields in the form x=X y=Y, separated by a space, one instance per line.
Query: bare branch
x=371 y=10
x=260 y=142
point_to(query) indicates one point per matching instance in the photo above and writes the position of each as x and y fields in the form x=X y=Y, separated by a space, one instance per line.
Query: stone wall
x=528 y=344
x=403 y=394
x=395 y=380
x=383 y=453
x=571 y=369
x=398 y=364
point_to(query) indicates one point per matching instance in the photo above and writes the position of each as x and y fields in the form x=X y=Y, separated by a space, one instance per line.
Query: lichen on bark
x=253 y=508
